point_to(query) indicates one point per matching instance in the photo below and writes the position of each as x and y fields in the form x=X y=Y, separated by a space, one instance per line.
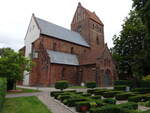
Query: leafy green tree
x=12 y=65
x=129 y=47
x=143 y=9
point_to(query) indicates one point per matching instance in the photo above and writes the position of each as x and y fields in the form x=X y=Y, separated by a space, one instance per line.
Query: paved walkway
x=24 y=94
x=54 y=105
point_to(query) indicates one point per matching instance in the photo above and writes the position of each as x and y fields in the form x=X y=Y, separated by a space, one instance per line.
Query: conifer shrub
x=61 y=85
x=91 y=84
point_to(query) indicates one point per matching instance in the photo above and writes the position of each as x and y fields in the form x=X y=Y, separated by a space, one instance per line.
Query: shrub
x=99 y=92
x=61 y=84
x=141 y=90
x=63 y=97
x=109 y=101
x=110 y=94
x=86 y=94
x=98 y=97
x=91 y=91
x=124 y=82
x=124 y=96
x=3 y=88
x=82 y=106
x=120 y=87
x=139 y=98
x=99 y=103
x=144 y=83
x=91 y=84
x=53 y=93
x=109 y=109
x=147 y=104
x=129 y=105
x=71 y=101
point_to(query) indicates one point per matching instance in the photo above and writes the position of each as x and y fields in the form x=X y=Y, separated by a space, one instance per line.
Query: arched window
x=97 y=40
x=93 y=26
x=63 y=73
x=54 y=46
x=72 y=50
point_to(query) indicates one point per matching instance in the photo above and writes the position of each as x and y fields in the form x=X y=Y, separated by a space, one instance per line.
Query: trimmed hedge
x=139 y=98
x=97 y=97
x=120 y=87
x=124 y=82
x=110 y=94
x=82 y=106
x=91 y=84
x=3 y=88
x=124 y=96
x=144 y=83
x=141 y=90
x=129 y=106
x=109 y=109
x=72 y=101
x=109 y=101
x=61 y=84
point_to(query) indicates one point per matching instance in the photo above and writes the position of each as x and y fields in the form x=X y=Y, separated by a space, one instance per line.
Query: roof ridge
x=59 y=32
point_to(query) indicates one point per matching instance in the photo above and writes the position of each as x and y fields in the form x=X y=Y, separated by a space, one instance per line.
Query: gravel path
x=54 y=105
x=24 y=94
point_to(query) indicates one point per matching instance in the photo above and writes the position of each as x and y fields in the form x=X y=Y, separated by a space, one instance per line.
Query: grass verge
x=24 y=105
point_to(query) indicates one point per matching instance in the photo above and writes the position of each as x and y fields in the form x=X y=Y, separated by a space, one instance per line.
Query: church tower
x=89 y=25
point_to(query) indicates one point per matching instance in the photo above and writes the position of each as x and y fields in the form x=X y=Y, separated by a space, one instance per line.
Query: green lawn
x=24 y=90
x=24 y=105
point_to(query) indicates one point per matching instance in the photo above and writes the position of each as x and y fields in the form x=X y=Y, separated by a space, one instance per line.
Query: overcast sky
x=15 y=16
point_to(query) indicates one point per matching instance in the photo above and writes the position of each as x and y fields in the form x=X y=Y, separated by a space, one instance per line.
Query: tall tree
x=128 y=47
x=143 y=9
x=12 y=65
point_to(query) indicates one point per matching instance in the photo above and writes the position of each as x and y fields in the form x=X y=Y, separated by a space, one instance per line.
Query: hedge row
x=140 y=83
x=2 y=91
x=121 y=108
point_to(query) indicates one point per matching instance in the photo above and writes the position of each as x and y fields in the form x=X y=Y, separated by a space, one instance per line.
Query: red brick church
x=77 y=55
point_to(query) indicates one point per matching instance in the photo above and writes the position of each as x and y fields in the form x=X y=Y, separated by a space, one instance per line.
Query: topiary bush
x=129 y=106
x=144 y=83
x=109 y=101
x=91 y=84
x=124 y=96
x=72 y=101
x=82 y=106
x=97 y=97
x=61 y=85
x=141 y=90
x=124 y=82
x=139 y=98
x=109 y=109
x=120 y=87
x=110 y=94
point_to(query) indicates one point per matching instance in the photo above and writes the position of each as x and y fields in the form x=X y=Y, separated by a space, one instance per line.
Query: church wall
x=64 y=72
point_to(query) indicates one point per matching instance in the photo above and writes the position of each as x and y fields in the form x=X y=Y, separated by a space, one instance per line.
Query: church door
x=107 y=79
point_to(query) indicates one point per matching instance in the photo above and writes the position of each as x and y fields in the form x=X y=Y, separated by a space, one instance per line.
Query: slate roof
x=59 y=32
x=63 y=58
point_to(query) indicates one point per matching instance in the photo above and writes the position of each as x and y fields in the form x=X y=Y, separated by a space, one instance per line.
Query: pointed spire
x=33 y=15
x=79 y=3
